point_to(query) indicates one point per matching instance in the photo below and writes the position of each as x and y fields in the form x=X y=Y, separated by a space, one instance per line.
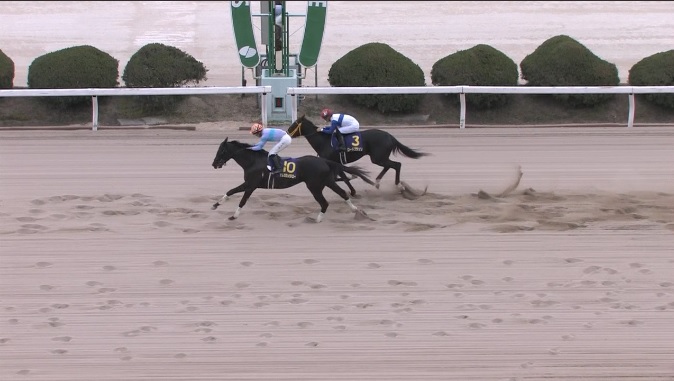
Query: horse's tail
x=355 y=170
x=398 y=147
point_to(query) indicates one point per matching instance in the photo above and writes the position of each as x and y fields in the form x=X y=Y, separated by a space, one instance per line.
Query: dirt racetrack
x=114 y=267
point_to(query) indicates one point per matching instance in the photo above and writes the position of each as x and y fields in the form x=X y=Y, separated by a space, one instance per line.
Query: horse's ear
x=227 y=138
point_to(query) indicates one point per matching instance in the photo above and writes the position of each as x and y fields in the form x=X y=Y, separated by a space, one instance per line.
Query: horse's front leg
x=337 y=189
x=230 y=192
x=243 y=201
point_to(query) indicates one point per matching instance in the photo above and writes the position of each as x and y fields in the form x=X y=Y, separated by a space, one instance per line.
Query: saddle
x=350 y=140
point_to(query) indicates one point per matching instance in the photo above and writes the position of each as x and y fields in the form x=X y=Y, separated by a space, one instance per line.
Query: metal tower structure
x=278 y=67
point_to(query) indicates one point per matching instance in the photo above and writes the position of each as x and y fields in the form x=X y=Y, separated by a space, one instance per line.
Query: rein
x=236 y=152
x=241 y=150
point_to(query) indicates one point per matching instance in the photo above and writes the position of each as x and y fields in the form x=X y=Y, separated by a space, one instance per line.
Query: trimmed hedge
x=481 y=65
x=377 y=64
x=76 y=67
x=6 y=71
x=159 y=65
x=655 y=70
x=563 y=61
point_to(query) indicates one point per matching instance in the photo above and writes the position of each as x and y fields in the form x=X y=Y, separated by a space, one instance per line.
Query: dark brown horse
x=377 y=144
x=316 y=172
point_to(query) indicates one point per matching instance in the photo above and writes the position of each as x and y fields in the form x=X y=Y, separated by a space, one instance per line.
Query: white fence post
x=94 y=121
x=630 y=116
x=462 y=116
x=293 y=103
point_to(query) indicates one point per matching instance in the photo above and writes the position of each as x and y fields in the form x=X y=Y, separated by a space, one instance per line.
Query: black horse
x=316 y=172
x=378 y=144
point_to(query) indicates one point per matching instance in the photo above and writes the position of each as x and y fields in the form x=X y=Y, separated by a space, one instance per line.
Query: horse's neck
x=248 y=159
x=318 y=141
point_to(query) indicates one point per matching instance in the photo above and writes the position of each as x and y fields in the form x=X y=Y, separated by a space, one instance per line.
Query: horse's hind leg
x=379 y=176
x=346 y=180
x=396 y=166
x=342 y=193
x=388 y=164
x=317 y=192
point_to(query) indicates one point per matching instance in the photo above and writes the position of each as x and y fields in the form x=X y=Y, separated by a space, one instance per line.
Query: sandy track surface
x=114 y=267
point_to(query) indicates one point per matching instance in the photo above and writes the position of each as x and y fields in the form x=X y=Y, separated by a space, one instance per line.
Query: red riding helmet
x=326 y=114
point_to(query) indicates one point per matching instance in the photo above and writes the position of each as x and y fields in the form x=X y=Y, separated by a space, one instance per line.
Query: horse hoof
x=232 y=218
x=361 y=215
x=215 y=206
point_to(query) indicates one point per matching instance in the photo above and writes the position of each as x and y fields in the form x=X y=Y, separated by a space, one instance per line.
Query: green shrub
x=378 y=65
x=6 y=71
x=481 y=65
x=158 y=65
x=563 y=61
x=655 y=70
x=77 y=67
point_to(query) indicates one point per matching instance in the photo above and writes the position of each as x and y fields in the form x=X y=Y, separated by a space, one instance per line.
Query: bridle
x=297 y=131
x=231 y=156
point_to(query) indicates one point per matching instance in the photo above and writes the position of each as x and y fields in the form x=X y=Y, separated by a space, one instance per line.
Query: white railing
x=293 y=91
x=463 y=90
x=108 y=92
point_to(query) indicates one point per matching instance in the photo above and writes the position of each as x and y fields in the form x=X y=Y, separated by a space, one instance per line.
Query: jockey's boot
x=340 y=141
x=275 y=162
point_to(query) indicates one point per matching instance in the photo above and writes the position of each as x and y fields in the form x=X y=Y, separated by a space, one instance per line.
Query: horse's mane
x=243 y=145
x=239 y=144
x=305 y=119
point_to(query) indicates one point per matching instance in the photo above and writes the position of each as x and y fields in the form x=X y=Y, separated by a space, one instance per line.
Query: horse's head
x=223 y=155
x=301 y=127
x=228 y=150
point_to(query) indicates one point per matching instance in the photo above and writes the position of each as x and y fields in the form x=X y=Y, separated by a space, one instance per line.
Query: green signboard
x=243 y=33
x=313 y=33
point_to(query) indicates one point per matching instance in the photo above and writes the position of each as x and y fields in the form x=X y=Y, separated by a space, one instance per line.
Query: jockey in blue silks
x=339 y=124
x=271 y=135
